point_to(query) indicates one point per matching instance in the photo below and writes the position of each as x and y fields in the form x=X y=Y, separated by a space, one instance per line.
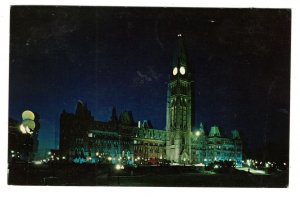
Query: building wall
x=96 y=141
x=83 y=139
x=101 y=146
x=179 y=109
x=149 y=145
x=207 y=149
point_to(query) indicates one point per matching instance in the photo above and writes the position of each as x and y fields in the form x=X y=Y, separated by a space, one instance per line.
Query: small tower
x=179 y=104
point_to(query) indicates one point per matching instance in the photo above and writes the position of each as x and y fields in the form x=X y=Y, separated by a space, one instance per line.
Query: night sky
x=122 y=57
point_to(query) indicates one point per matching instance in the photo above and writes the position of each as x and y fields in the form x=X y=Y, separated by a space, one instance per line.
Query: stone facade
x=149 y=145
x=182 y=145
x=179 y=106
x=213 y=147
x=84 y=139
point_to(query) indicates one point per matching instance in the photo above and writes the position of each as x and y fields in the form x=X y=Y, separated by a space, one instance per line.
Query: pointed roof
x=235 y=134
x=114 y=117
x=180 y=58
x=201 y=126
x=214 y=132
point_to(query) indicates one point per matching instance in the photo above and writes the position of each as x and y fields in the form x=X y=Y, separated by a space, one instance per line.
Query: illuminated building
x=122 y=140
x=182 y=145
x=83 y=139
x=149 y=144
x=179 y=109
x=213 y=147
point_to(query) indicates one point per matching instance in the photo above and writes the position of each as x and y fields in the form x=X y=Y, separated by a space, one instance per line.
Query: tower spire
x=178 y=126
x=180 y=58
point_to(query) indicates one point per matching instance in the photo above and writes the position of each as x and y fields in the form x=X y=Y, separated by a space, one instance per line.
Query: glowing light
x=216 y=166
x=13 y=155
x=182 y=70
x=197 y=133
x=29 y=123
x=175 y=71
x=128 y=158
x=179 y=35
x=284 y=164
x=27 y=129
x=205 y=159
x=22 y=129
x=267 y=165
x=118 y=166
x=57 y=158
x=28 y=115
x=248 y=162
x=12 y=151
x=49 y=153
x=97 y=154
x=109 y=158
x=37 y=162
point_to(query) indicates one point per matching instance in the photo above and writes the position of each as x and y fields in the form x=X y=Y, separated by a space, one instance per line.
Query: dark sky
x=122 y=57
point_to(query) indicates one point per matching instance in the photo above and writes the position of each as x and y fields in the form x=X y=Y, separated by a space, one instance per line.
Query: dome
x=28 y=115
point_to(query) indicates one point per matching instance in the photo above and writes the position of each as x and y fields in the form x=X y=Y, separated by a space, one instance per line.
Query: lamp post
x=27 y=129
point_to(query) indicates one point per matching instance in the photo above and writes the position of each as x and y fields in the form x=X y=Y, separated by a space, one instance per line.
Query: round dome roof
x=28 y=115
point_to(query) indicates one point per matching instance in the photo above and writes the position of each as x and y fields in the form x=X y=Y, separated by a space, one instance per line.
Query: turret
x=235 y=134
x=214 y=132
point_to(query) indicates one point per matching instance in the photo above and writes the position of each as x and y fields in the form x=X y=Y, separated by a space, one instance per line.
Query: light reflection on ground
x=253 y=171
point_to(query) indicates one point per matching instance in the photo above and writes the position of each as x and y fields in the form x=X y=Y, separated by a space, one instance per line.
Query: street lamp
x=27 y=128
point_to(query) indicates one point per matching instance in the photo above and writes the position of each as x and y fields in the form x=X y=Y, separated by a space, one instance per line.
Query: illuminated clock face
x=182 y=70
x=175 y=71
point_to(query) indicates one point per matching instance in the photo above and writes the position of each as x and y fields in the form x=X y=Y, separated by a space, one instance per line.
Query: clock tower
x=179 y=108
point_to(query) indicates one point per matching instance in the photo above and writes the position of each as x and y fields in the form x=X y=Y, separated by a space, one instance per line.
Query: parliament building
x=124 y=140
